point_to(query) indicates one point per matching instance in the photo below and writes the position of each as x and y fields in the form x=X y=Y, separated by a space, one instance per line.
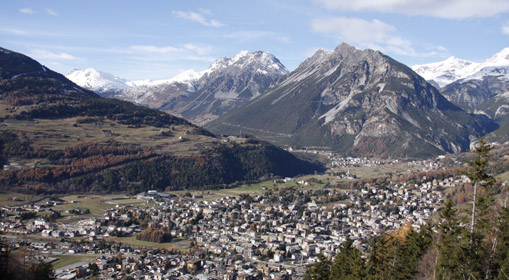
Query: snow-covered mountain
x=199 y=96
x=228 y=84
x=447 y=71
x=186 y=77
x=454 y=69
x=98 y=81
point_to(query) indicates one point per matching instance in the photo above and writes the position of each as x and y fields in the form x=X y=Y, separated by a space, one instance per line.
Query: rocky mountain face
x=197 y=96
x=359 y=102
x=470 y=94
x=476 y=87
x=228 y=84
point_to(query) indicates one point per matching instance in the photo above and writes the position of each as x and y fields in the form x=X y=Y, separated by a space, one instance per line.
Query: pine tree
x=479 y=176
x=501 y=260
x=44 y=271
x=320 y=270
x=348 y=263
x=381 y=258
x=451 y=252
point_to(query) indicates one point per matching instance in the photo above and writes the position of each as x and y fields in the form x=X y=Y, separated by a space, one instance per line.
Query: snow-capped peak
x=187 y=76
x=446 y=71
x=97 y=80
x=453 y=69
x=259 y=61
x=499 y=59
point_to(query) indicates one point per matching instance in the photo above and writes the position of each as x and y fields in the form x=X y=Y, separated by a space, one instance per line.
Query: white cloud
x=45 y=54
x=27 y=11
x=374 y=34
x=253 y=35
x=51 y=12
x=197 y=49
x=167 y=53
x=205 y=11
x=284 y=39
x=457 y=9
x=152 y=49
x=249 y=35
x=354 y=30
x=196 y=17
x=505 y=29
x=14 y=31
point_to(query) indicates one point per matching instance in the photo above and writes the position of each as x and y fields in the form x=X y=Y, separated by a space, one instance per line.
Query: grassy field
x=62 y=133
x=96 y=205
x=376 y=171
x=6 y=198
x=70 y=259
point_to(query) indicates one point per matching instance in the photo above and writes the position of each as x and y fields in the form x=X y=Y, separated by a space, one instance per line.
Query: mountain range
x=481 y=88
x=358 y=102
x=336 y=99
x=453 y=69
x=198 y=96
x=56 y=137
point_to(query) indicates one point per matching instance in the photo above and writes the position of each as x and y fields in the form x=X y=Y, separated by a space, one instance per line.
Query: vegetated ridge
x=58 y=137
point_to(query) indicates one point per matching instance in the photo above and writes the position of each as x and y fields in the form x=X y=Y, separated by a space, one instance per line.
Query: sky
x=155 y=40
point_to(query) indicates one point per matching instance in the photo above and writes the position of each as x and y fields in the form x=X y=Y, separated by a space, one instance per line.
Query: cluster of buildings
x=273 y=235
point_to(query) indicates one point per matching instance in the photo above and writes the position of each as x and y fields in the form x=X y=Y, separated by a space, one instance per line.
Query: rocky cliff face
x=357 y=102
x=470 y=94
x=226 y=85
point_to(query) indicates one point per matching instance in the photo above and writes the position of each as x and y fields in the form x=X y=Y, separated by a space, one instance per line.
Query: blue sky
x=159 y=39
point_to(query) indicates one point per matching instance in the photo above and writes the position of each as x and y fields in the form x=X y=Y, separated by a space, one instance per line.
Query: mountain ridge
x=201 y=96
x=357 y=102
x=454 y=69
x=61 y=138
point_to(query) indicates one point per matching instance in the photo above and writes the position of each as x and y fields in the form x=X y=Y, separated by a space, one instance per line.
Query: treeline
x=21 y=264
x=116 y=167
x=65 y=164
x=225 y=164
x=390 y=256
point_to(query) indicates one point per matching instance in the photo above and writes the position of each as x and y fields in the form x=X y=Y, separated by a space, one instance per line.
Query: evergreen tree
x=381 y=257
x=452 y=260
x=320 y=270
x=348 y=263
x=44 y=271
x=501 y=261
x=479 y=176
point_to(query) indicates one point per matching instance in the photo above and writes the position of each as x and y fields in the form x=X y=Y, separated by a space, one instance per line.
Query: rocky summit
x=359 y=102
x=197 y=96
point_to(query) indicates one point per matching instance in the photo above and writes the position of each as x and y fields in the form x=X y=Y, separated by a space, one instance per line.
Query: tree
x=44 y=271
x=501 y=262
x=320 y=270
x=348 y=264
x=452 y=260
x=479 y=176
